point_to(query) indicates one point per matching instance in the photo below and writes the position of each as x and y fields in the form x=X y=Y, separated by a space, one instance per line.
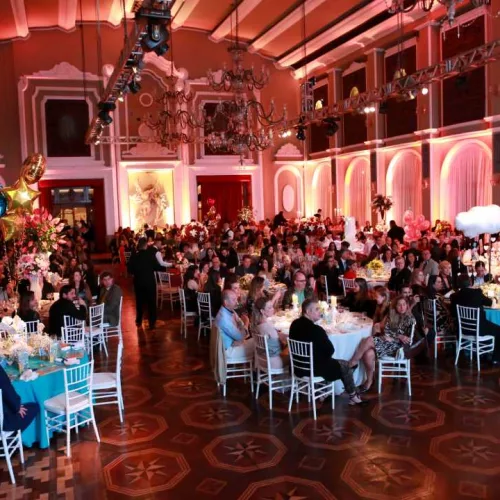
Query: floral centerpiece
x=33 y=267
x=246 y=214
x=381 y=204
x=375 y=267
x=195 y=232
x=491 y=290
x=42 y=232
x=312 y=226
x=212 y=219
x=443 y=227
x=245 y=281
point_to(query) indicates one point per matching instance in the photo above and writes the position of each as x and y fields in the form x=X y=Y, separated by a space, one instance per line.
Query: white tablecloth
x=344 y=343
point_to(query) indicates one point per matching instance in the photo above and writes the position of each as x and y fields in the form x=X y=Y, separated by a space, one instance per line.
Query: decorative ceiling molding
x=289 y=150
x=224 y=28
x=19 y=12
x=67 y=14
x=165 y=66
x=115 y=15
x=293 y=18
x=180 y=15
x=63 y=71
x=336 y=31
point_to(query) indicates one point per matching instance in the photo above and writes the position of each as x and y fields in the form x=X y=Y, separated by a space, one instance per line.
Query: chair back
x=347 y=284
x=164 y=279
x=430 y=314
x=468 y=320
x=400 y=355
x=70 y=321
x=182 y=297
x=204 y=304
x=262 y=353
x=119 y=360
x=326 y=286
x=96 y=318
x=72 y=335
x=78 y=383
x=301 y=357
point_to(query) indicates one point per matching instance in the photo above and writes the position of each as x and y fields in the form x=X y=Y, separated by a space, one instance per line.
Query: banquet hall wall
x=48 y=64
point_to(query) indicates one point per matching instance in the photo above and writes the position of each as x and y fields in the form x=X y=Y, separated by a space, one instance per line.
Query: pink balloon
x=420 y=219
x=424 y=225
x=407 y=216
x=407 y=229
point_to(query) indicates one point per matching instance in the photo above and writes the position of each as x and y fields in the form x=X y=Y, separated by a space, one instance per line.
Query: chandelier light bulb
x=366 y=109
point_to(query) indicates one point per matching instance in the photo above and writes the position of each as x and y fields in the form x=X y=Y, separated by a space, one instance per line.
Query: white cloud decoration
x=479 y=220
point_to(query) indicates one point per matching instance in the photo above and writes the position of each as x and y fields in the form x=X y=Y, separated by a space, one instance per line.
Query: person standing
x=142 y=266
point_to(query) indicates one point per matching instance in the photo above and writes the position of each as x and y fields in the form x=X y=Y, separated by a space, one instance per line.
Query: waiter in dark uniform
x=142 y=266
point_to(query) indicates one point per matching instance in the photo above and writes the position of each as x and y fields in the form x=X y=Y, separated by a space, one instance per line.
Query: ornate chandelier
x=397 y=6
x=237 y=79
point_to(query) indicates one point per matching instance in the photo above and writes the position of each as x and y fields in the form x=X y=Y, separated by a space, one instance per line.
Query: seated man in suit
x=400 y=275
x=473 y=297
x=305 y=329
x=246 y=267
x=110 y=295
x=233 y=328
x=16 y=416
x=428 y=266
x=65 y=307
x=482 y=276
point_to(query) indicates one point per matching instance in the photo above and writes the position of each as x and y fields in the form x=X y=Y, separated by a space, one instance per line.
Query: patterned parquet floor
x=182 y=440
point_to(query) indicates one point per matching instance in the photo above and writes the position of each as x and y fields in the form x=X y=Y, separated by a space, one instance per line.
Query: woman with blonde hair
x=260 y=325
x=445 y=275
x=417 y=278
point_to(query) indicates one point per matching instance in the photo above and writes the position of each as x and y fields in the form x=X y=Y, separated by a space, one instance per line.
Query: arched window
x=404 y=184
x=465 y=179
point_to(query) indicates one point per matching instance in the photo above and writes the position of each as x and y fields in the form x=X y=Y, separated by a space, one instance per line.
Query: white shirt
x=160 y=260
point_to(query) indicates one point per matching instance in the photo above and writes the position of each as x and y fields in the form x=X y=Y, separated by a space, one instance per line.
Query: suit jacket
x=285 y=276
x=11 y=401
x=342 y=266
x=471 y=297
x=241 y=271
x=111 y=300
x=430 y=268
x=61 y=308
x=143 y=265
x=304 y=330
x=399 y=278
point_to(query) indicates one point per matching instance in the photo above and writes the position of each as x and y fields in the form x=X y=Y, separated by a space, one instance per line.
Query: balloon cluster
x=414 y=226
x=18 y=199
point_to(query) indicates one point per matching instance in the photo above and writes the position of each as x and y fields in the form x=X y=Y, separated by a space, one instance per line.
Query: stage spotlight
x=105 y=109
x=383 y=108
x=301 y=133
x=156 y=39
x=331 y=126
x=425 y=90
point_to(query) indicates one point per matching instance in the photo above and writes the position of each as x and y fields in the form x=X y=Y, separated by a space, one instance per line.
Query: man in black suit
x=246 y=266
x=110 y=295
x=305 y=329
x=482 y=276
x=65 y=307
x=473 y=297
x=344 y=262
x=400 y=275
x=142 y=266
x=395 y=232
x=16 y=416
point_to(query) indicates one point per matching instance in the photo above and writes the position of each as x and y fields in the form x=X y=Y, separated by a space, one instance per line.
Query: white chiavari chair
x=165 y=290
x=95 y=331
x=430 y=316
x=73 y=407
x=347 y=285
x=187 y=317
x=204 y=313
x=11 y=442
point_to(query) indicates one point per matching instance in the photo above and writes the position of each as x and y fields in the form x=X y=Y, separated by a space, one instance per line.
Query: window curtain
x=357 y=191
x=465 y=182
x=404 y=185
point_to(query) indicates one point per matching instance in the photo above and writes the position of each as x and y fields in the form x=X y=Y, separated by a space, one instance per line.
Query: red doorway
x=230 y=192
x=91 y=207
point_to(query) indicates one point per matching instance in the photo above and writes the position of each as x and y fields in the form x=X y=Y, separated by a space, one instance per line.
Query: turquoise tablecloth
x=37 y=391
x=493 y=315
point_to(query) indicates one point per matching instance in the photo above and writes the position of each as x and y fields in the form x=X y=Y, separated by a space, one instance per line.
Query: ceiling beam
x=66 y=16
x=181 y=10
x=19 y=12
x=293 y=18
x=224 y=28
x=115 y=15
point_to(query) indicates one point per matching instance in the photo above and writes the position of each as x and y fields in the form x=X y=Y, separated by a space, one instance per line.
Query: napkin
x=28 y=376
x=71 y=361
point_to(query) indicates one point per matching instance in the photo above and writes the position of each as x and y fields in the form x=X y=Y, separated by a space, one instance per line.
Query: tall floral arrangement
x=212 y=218
x=194 y=232
x=312 y=226
x=381 y=204
x=42 y=232
x=30 y=264
x=443 y=227
x=246 y=214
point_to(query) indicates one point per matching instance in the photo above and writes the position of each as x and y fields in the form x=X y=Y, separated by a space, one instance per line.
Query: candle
x=333 y=301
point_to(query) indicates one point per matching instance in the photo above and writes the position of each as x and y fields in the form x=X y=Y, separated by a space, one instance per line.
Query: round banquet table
x=49 y=383
x=344 y=342
x=493 y=315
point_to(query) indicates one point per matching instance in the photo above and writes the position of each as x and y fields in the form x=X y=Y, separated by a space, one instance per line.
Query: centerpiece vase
x=36 y=285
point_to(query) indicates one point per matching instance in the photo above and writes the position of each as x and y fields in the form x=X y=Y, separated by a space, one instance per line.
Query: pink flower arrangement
x=42 y=232
x=30 y=264
x=194 y=232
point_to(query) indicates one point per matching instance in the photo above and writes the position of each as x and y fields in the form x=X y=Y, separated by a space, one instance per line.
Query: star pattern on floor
x=245 y=449
x=475 y=452
x=145 y=470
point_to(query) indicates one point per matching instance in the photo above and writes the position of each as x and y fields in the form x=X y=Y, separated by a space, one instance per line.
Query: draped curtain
x=404 y=185
x=465 y=181
x=357 y=190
